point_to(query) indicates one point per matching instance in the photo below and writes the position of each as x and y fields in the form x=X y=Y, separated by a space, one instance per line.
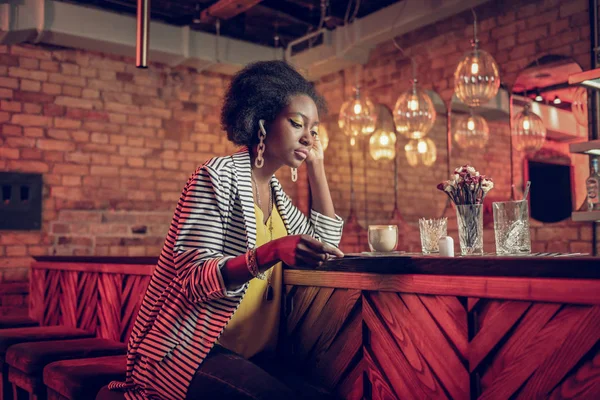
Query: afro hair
x=261 y=91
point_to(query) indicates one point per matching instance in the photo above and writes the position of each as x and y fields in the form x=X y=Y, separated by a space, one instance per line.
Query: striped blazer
x=186 y=305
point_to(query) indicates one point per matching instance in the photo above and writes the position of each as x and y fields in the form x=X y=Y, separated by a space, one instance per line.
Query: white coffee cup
x=383 y=238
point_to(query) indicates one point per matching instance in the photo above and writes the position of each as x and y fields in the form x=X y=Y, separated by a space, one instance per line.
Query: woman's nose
x=307 y=139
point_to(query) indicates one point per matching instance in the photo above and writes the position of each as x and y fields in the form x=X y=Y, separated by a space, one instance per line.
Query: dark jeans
x=227 y=375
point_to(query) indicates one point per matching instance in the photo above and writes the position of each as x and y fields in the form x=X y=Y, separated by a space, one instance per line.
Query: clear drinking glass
x=511 y=227
x=383 y=238
x=431 y=231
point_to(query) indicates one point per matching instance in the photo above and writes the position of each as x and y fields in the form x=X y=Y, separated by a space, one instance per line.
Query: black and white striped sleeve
x=321 y=227
x=198 y=249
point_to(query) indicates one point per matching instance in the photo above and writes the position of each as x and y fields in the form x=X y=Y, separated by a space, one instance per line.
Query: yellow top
x=255 y=324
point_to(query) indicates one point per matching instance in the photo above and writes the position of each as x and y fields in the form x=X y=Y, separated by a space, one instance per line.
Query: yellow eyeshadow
x=298 y=121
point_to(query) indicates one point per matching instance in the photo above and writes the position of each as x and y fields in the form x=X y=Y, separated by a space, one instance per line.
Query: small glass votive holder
x=432 y=230
x=511 y=227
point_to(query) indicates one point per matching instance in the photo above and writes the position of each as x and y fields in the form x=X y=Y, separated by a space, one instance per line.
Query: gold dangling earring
x=262 y=134
x=294 y=174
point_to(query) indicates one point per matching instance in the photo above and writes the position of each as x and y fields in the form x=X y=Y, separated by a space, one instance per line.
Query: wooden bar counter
x=394 y=327
x=419 y=327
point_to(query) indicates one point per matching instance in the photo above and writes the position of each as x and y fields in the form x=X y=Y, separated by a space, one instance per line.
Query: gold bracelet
x=252 y=264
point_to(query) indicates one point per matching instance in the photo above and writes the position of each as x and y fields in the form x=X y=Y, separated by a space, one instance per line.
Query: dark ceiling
x=286 y=19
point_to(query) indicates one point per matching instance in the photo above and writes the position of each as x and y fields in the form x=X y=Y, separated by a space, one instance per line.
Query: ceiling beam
x=299 y=13
x=268 y=9
x=226 y=9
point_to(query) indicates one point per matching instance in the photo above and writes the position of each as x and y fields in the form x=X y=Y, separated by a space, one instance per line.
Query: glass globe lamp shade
x=342 y=116
x=323 y=136
x=414 y=113
x=529 y=132
x=420 y=152
x=382 y=145
x=471 y=132
x=357 y=116
x=476 y=78
x=579 y=106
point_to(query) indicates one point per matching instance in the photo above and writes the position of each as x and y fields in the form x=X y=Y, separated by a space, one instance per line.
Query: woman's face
x=291 y=135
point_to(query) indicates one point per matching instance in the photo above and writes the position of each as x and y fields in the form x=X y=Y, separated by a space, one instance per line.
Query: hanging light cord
x=412 y=60
x=475 y=39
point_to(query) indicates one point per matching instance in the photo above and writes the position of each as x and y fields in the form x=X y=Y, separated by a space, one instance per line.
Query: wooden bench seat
x=26 y=361
x=10 y=337
x=82 y=379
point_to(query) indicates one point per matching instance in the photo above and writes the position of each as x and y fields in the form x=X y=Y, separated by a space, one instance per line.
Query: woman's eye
x=314 y=133
x=295 y=124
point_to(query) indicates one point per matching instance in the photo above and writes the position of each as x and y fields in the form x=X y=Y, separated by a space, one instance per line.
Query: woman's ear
x=261 y=124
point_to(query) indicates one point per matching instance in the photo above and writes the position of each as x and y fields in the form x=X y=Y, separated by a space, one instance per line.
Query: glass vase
x=470 y=228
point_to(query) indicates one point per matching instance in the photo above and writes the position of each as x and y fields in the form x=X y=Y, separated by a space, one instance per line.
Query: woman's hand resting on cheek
x=316 y=153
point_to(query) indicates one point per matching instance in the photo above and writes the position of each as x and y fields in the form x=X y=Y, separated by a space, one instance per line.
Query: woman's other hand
x=304 y=250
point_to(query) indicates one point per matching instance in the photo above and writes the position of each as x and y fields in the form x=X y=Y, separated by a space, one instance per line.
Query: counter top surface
x=548 y=265
x=544 y=265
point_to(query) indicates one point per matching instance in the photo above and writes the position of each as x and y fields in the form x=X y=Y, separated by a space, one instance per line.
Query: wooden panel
x=52 y=296
x=535 y=319
x=37 y=285
x=100 y=302
x=89 y=301
x=379 y=386
x=575 y=291
x=404 y=366
x=301 y=302
x=68 y=301
x=351 y=388
x=416 y=346
x=541 y=349
x=583 y=335
x=496 y=325
x=325 y=337
x=583 y=385
x=431 y=341
x=451 y=315
x=347 y=346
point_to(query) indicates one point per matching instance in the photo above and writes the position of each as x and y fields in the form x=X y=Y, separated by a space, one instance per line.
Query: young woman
x=213 y=304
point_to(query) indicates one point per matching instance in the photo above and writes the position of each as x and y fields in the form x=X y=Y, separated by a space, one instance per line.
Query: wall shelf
x=591 y=147
x=585 y=216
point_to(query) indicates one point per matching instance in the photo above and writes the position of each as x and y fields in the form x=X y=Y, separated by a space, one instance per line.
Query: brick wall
x=116 y=144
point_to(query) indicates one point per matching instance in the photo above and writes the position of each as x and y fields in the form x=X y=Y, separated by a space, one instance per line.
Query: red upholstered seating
x=9 y=337
x=82 y=379
x=17 y=321
x=26 y=361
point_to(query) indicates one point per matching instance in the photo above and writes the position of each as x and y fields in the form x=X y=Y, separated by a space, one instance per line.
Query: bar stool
x=9 y=337
x=26 y=361
x=83 y=378
x=17 y=321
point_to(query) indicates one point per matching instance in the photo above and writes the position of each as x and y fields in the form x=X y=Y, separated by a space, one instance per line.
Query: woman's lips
x=301 y=153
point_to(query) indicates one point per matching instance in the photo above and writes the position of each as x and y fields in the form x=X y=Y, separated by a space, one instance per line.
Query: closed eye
x=295 y=124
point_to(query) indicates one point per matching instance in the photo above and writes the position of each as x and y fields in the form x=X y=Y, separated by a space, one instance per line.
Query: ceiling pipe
x=143 y=33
